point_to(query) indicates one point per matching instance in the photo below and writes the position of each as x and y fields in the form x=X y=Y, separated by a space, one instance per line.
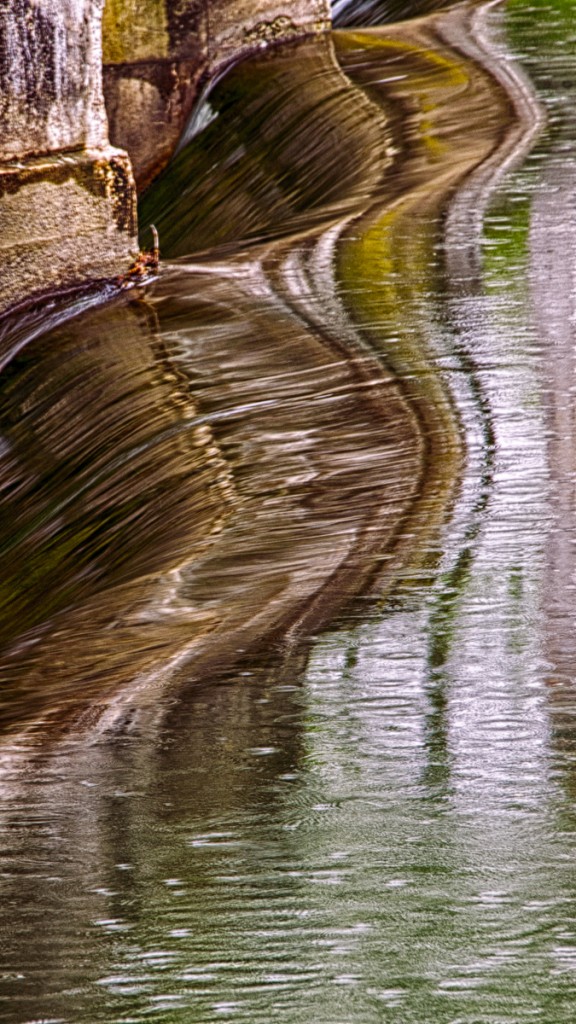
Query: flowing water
x=287 y=549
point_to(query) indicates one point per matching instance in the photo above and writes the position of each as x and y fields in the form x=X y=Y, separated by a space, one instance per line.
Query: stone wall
x=67 y=198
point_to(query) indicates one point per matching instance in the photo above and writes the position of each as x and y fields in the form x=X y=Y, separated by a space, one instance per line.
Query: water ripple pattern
x=287 y=562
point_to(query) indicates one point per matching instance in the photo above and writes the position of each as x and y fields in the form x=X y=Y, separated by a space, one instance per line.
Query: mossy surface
x=134 y=30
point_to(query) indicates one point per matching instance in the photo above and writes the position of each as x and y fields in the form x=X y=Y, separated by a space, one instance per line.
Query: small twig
x=145 y=264
x=156 y=249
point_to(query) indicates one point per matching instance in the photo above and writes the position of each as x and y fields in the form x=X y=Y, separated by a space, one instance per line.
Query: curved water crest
x=237 y=451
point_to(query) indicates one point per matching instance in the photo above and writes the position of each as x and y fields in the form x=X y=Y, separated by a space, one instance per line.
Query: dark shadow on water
x=357 y=13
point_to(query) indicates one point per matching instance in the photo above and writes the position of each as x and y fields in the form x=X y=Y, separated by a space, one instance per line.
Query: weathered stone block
x=50 y=76
x=148 y=103
x=65 y=219
x=134 y=30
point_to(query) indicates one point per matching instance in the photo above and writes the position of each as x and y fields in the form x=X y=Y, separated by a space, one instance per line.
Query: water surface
x=288 y=563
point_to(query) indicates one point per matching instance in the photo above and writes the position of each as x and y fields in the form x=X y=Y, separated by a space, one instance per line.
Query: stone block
x=65 y=219
x=50 y=76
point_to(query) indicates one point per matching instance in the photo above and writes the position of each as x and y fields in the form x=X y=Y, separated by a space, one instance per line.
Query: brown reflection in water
x=105 y=469
x=237 y=454
x=325 y=459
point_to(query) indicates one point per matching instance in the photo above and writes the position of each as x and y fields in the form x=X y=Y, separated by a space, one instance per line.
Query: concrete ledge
x=237 y=27
x=65 y=220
